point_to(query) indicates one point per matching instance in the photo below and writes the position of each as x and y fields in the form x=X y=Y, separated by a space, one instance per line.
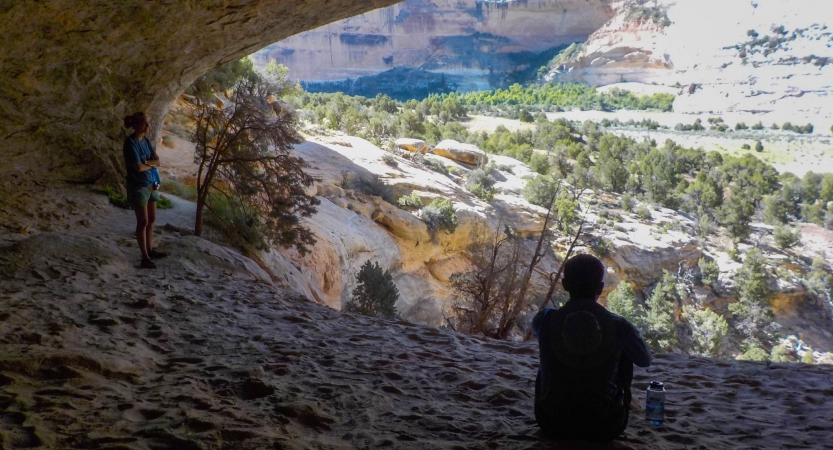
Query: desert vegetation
x=251 y=186
x=724 y=194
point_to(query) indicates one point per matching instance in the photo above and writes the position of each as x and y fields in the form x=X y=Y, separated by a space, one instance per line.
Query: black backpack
x=583 y=342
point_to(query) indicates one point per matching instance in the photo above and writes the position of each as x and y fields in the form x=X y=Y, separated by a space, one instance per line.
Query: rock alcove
x=71 y=69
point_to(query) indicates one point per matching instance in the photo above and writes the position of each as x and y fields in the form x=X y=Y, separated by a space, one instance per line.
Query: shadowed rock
x=71 y=70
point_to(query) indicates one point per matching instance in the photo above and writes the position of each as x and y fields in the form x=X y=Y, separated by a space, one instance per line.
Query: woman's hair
x=133 y=119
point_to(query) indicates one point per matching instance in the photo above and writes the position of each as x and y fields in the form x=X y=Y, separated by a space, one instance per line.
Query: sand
x=205 y=352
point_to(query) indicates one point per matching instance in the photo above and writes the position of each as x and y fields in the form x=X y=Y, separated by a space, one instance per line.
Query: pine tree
x=708 y=330
x=375 y=294
x=752 y=315
x=622 y=302
x=661 y=321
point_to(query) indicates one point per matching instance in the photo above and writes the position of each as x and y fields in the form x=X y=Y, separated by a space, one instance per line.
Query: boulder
x=464 y=153
x=412 y=145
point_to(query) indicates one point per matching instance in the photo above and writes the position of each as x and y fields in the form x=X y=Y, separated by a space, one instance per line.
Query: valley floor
x=205 y=352
x=786 y=151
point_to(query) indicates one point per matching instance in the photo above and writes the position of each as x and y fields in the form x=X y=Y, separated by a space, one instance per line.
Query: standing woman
x=141 y=162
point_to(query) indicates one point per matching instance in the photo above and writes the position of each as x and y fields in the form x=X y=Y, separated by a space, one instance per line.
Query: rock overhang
x=70 y=69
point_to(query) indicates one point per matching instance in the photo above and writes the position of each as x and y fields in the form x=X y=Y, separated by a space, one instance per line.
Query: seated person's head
x=583 y=277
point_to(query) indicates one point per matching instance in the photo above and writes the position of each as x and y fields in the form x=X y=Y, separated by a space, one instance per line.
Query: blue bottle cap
x=656 y=385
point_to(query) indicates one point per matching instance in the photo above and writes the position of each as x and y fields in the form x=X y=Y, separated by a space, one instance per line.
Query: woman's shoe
x=147 y=264
x=154 y=254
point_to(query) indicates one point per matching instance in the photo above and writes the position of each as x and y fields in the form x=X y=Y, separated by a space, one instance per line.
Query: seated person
x=587 y=354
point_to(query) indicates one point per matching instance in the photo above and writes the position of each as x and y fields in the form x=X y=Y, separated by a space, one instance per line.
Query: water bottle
x=655 y=403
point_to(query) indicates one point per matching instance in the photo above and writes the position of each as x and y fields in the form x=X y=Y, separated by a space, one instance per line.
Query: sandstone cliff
x=352 y=227
x=471 y=37
x=722 y=55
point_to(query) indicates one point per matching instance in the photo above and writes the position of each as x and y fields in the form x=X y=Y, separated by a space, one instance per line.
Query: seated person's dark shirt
x=586 y=403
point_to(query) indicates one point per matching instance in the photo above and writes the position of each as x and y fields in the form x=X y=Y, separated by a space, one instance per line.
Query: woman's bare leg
x=151 y=218
x=141 y=228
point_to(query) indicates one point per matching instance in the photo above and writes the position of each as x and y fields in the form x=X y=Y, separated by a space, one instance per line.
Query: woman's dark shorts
x=140 y=197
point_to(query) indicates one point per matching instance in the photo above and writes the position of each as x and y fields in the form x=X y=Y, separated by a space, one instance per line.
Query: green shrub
x=601 y=247
x=709 y=271
x=411 y=200
x=390 y=160
x=541 y=191
x=746 y=147
x=525 y=116
x=236 y=221
x=705 y=226
x=780 y=354
x=436 y=166
x=759 y=147
x=482 y=193
x=807 y=358
x=627 y=202
x=539 y=163
x=168 y=140
x=754 y=353
x=164 y=203
x=439 y=215
x=480 y=182
x=785 y=237
x=643 y=212
x=640 y=13
x=708 y=330
x=752 y=315
x=661 y=321
x=375 y=294
x=758 y=126
x=116 y=199
x=622 y=301
x=179 y=189
x=373 y=185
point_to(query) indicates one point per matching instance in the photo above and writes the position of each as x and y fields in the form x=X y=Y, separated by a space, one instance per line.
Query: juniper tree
x=622 y=301
x=247 y=179
x=375 y=294
x=708 y=330
x=751 y=313
x=661 y=334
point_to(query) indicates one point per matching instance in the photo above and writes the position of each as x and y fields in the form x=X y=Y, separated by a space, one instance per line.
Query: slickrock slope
x=470 y=37
x=71 y=69
x=205 y=352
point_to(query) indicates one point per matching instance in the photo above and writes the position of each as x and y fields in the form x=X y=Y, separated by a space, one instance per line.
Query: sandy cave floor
x=205 y=352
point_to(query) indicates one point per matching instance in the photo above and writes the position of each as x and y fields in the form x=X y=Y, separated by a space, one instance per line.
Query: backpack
x=583 y=343
x=583 y=335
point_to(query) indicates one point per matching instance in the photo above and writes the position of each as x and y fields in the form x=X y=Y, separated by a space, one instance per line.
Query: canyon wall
x=723 y=55
x=469 y=37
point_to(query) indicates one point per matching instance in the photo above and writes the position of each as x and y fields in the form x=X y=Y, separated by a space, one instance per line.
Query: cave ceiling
x=71 y=69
